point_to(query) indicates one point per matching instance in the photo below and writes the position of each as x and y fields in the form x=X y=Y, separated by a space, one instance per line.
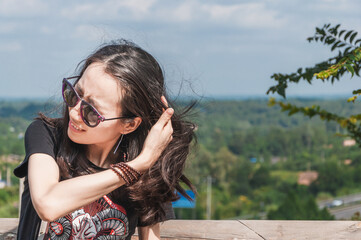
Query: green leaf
x=271 y=102
x=347 y=35
x=335 y=45
x=359 y=40
x=352 y=99
x=341 y=32
x=292 y=111
x=281 y=91
x=357 y=116
x=346 y=50
x=357 y=70
x=352 y=57
x=352 y=37
x=358 y=91
x=350 y=69
x=331 y=41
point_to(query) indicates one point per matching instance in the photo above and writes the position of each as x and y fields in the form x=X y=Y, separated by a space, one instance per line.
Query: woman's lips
x=74 y=128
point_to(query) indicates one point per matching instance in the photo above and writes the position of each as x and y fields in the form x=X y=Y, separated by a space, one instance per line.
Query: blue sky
x=221 y=48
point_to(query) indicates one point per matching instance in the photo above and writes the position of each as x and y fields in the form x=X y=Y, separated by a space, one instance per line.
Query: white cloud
x=89 y=32
x=11 y=8
x=109 y=10
x=184 y=12
x=334 y=5
x=7 y=27
x=138 y=7
x=10 y=47
x=247 y=15
x=46 y=30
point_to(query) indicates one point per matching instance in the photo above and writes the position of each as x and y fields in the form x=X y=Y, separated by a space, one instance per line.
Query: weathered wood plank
x=8 y=225
x=8 y=228
x=239 y=229
x=279 y=230
x=210 y=229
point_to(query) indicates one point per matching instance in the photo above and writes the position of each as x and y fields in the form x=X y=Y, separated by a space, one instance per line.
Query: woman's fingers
x=168 y=125
x=165 y=117
x=164 y=101
x=164 y=128
x=159 y=136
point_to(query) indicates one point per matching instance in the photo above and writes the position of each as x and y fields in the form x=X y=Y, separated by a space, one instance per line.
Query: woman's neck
x=101 y=155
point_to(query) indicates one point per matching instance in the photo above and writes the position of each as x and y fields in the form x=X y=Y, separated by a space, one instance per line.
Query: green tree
x=330 y=178
x=299 y=204
x=261 y=177
x=240 y=175
x=348 y=59
x=222 y=168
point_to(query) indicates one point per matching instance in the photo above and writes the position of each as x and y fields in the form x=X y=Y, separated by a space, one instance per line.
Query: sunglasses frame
x=100 y=118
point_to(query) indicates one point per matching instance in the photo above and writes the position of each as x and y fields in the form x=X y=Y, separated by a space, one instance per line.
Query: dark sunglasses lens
x=69 y=95
x=90 y=116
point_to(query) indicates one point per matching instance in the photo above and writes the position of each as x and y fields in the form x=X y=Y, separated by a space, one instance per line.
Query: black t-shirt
x=105 y=218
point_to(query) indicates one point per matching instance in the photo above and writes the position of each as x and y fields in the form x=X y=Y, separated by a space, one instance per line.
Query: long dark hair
x=142 y=79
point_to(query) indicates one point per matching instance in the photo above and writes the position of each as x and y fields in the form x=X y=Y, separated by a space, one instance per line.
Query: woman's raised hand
x=159 y=136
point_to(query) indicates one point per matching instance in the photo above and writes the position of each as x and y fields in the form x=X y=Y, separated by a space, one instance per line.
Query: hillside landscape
x=250 y=155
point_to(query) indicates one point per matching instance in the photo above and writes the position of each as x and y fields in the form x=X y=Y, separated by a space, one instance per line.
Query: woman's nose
x=74 y=112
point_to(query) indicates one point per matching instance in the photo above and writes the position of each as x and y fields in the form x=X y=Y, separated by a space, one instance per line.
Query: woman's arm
x=149 y=232
x=53 y=199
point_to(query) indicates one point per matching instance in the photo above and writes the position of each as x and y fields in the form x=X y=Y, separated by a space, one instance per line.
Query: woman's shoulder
x=40 y=124
x=41 y=128
x=40 y=137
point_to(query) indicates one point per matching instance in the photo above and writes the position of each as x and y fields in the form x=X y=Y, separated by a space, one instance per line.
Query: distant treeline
x=253 y=112
x=252 y=153
x=27 y=109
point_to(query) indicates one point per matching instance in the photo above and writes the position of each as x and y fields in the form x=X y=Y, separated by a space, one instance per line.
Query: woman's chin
x=75 y=137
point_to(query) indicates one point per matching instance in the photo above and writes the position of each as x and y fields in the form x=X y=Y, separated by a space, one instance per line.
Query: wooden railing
x=238 y=229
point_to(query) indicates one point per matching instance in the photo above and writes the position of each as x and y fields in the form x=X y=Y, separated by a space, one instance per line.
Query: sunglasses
x=90 y=116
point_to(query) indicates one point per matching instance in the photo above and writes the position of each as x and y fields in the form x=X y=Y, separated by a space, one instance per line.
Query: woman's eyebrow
x=91 y=100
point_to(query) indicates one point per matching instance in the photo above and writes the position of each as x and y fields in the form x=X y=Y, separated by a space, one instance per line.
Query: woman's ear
x=131 y=125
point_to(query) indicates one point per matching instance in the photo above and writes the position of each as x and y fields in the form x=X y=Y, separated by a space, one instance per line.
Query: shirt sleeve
x=39 y=138
x=169 y=214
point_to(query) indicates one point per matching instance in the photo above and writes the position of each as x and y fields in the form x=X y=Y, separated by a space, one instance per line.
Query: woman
x=114 y=160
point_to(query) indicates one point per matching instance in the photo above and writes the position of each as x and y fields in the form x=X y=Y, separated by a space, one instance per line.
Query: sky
x=207 y=48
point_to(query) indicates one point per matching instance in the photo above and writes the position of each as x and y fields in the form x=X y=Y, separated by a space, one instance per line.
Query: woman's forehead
x=99 y=86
